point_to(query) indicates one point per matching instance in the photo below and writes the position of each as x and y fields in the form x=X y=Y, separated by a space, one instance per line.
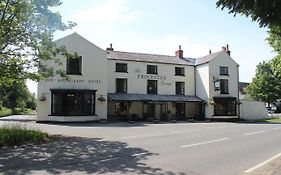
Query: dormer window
x=74 y=65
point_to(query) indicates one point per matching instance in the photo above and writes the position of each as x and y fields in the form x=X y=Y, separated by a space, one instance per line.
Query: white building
x=114 y=85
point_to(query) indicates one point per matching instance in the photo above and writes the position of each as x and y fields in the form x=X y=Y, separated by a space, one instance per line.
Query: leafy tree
x=26 y=34
x=17 y=95
x=265 y=12
x=274 y=38
x=265 y=85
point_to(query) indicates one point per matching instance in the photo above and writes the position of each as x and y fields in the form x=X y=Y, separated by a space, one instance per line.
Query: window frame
x=227 y=107
x=181 y=72
x=224 y=71
x=74 y=62
x=121 y=70
x=154 y=90
x=124 y=88
x=224 y=88
x=181 y=89
x=82 y=105
x=150 y=70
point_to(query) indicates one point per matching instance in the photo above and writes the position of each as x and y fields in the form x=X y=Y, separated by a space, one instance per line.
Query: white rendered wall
x=253 y=110
x=94 y=77
x=138 y=85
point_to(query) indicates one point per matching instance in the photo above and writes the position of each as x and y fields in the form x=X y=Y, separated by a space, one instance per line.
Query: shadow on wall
x=77 y=155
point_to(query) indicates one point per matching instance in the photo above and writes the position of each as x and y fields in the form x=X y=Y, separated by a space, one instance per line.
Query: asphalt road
x=171 y=148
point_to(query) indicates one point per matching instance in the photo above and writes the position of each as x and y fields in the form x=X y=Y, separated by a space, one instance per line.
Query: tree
x=265 y=85
x=16 y=95
x=274 y=38
x=265 y=12
x=26 y=34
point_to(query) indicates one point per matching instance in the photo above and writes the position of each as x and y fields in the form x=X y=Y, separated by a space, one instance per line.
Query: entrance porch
x=146 y=107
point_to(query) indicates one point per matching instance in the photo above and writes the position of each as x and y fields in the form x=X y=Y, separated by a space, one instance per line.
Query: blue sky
x=160 y=26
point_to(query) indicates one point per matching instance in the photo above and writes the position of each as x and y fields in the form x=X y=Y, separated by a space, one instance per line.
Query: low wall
x=253 y=110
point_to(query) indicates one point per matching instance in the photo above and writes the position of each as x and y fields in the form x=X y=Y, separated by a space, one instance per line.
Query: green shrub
x=5 y=112
x=16 y=134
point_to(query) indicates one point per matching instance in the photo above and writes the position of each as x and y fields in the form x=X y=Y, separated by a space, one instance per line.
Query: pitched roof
x=143 y=57
x=207 y=58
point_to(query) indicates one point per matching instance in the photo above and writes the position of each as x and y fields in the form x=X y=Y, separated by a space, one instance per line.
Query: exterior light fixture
x=101 y=99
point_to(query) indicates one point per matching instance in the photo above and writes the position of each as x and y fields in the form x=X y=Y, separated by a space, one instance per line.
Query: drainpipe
x=238 y=98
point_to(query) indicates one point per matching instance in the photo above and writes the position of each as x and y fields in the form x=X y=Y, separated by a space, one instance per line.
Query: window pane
x=151 y=69
x=121 y=85
x=224 y=86
x=179 y=71
x=152 y=86
x=73 y=102
x=223 y=70
x=180 y=88
x=74 y=66
x=121 y=67
x=225 y=107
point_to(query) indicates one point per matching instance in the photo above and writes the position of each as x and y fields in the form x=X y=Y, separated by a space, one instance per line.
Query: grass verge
x=16 y=134
x=271 y=120
x=5 y=111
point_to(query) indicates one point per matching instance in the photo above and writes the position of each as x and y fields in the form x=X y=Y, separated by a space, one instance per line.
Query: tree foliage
x=16 y=95
x=265 y=85
x=26 y=34
x=265 y=12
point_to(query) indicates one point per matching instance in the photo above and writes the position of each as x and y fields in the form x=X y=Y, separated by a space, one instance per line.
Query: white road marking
x=138 y=154
x=203 y=143
x=114 y=158
x=109 y=159
x=276 y=128
x=262 y=164
x=252 y=133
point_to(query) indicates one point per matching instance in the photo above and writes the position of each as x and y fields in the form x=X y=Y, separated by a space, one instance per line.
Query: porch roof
x=152 y=97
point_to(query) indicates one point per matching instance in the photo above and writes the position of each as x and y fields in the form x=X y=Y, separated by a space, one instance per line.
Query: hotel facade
x=114 y=85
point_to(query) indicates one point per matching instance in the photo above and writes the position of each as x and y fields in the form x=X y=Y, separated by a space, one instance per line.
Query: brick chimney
x=179 y=53
x=110 y=48
x=226 y=49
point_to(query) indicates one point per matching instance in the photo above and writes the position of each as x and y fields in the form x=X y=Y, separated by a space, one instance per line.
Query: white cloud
x=108 y=11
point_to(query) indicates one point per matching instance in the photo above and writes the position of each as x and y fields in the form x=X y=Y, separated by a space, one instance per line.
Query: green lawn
x=18 y=111
x=18 y=134
x=272 y=120
x=5 y=112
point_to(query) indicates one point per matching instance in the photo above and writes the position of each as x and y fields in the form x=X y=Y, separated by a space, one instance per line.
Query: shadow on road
x=77 y=155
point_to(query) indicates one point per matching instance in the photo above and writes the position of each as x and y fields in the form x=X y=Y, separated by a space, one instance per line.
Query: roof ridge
x=211 y=54
x=144 y=53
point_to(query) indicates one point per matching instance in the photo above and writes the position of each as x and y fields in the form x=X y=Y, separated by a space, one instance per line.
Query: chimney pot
x=179 y=53
x=110 y=48
x=227 y=50
x=210 y=51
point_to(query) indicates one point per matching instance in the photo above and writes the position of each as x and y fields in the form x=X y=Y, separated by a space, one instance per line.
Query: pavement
x=199 y=148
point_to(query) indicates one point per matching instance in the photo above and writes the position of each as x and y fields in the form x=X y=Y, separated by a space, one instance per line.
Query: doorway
x=180 y=111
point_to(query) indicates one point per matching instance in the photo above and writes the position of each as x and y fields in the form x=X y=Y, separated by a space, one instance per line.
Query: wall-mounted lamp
x=42 y=98
x=101 y=99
